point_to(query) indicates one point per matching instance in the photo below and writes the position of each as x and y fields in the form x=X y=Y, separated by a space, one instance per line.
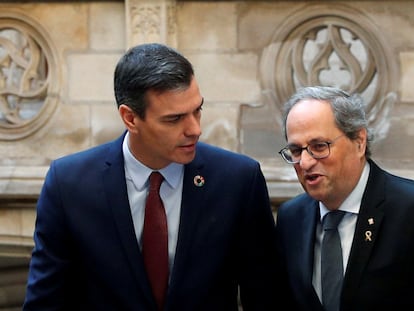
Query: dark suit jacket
x=86 y=255
x=380 y=271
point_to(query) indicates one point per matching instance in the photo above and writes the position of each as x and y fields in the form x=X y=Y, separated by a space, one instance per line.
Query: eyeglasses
x=318 y=150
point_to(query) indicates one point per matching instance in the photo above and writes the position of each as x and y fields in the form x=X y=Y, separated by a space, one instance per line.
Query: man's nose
x=193 y=126
x=306 y=159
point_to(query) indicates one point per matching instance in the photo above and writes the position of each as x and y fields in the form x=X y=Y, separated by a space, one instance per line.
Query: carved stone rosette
x=28 y=76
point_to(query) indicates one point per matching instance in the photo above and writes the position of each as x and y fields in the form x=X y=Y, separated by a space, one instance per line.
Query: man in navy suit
x=329 y=147
x=90 y=213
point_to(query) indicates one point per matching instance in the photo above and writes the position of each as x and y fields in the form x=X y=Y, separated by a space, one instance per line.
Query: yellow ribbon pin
x=368 y=235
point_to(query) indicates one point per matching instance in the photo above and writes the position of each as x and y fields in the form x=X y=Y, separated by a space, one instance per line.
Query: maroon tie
x=155 y=241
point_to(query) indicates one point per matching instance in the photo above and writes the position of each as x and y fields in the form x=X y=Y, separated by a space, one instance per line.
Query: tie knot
x=156 y=179
x=332 y=219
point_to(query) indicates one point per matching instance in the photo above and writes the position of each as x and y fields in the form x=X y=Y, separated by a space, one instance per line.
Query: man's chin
x=185 y=159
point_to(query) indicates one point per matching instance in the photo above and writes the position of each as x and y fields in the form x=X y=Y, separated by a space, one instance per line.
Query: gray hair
x=348 y=110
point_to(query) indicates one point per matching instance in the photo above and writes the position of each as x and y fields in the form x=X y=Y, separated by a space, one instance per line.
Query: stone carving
x=330 y=45
x=27 y=79
x=151 y=21
x=146 y=21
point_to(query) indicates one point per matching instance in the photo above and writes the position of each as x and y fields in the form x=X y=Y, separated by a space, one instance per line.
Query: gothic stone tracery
x=320 y=45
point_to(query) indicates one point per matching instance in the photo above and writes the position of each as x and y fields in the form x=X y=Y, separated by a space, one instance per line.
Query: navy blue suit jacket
x=380 y=271
x=86 y=255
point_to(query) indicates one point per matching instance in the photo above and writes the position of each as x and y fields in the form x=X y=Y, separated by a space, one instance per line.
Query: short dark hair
x=145 y=67
x=348 y=110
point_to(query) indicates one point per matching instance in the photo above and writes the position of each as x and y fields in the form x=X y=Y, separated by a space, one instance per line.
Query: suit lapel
x=117 y=197
x=191 y=204
x=301 y=232
x=310 y=224
x=368 y=224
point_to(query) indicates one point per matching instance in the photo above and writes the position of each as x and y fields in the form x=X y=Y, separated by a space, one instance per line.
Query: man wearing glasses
x=372 y=242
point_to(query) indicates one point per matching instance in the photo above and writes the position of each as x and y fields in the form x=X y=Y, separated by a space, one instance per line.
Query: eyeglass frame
x=328 y=145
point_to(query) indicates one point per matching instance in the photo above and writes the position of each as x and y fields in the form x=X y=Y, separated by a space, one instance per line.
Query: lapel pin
x=368 y=235
x=199 y=180
x=370 y=221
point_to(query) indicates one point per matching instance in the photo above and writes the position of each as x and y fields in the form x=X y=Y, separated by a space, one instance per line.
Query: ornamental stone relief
x=151 y=21
x=335 y=46
x=28 y=77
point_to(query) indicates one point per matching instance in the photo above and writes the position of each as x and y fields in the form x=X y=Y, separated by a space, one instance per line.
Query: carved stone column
x=151 y=21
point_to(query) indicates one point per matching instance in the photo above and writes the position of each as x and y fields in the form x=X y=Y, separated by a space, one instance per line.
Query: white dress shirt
x=346 y=228
x=137 y=175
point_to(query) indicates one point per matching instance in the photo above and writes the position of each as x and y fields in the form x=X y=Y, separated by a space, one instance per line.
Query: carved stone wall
x=336 y=46
x=57 y=60
x=28 y=80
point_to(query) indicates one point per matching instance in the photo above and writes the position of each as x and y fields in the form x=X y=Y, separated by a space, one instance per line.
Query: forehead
x=309 y=119
x=175 y=101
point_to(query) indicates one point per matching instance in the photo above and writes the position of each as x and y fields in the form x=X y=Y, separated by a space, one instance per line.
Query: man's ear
x=128 y=117
x=361 y=140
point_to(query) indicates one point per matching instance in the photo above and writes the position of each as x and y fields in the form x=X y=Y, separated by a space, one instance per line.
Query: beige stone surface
x=21 y=181
x=407 y=76
x=106 y=123
x=107 y=26
x=229 y=77
x=257 y=21
x=207 y=26
x=219 y=124
x=66 y=132
x=28 y=215
x=65 y=24
x=90 y=76
x=10 y=222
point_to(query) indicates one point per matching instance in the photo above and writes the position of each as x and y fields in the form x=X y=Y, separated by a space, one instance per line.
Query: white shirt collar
x=139 y=173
